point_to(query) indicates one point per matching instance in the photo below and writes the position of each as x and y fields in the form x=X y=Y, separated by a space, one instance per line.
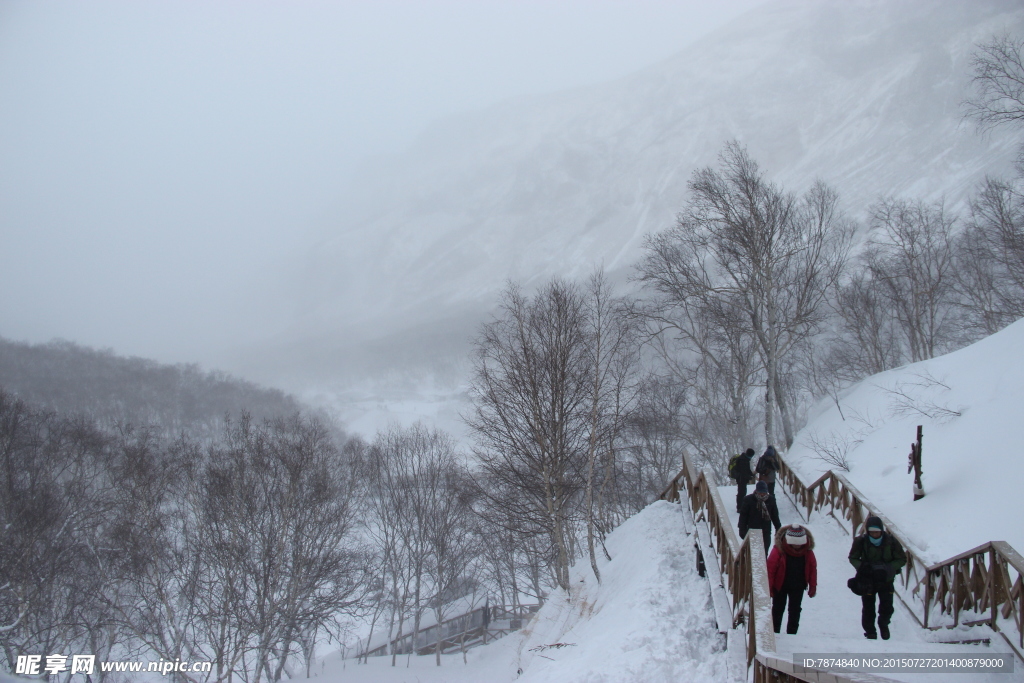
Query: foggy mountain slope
x=73 y=379
x=864 y=95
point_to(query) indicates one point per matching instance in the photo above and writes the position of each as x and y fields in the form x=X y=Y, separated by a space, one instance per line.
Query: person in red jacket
x=792 y=568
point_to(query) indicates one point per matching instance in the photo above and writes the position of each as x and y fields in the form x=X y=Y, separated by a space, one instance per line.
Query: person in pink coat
x=792 y=569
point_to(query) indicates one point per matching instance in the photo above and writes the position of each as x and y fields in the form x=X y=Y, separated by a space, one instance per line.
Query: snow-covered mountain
x=863 y=94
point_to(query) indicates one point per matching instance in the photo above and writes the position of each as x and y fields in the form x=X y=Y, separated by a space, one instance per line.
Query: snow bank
x=971 y=405
x=651 y=618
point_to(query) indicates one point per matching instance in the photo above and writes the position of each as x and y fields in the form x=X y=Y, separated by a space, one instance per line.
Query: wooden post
x=927 y=596
x=992 y=585
x=914 y=465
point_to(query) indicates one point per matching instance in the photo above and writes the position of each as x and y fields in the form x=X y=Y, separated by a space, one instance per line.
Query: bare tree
x=279 y=520
x=773 y=255
x=654 y=440
x=991 y=249
x=165 y=588
x=453 y=545
x=420 y=505
x=54 y=498
x=532 y=391
x=990 y=257
x=998 y=77
x=612 y=345
x=520 y=548
x=868 y=340
x=910 y=257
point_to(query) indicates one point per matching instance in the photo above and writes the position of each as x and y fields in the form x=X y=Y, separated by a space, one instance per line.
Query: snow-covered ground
x=971 y=405
x=649 y=620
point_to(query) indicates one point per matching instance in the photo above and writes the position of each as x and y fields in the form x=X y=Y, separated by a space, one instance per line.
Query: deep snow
x=652 y=619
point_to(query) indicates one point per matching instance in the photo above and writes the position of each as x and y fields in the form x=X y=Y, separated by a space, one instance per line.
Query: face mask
x=875 y=541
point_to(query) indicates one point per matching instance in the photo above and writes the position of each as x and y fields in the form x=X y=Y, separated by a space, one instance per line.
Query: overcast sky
x=156 y=156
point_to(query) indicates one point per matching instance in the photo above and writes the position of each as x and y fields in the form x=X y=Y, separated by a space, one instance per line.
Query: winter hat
x=749 y=452
x=761 y=487
x=796 y=535
x=874 y=523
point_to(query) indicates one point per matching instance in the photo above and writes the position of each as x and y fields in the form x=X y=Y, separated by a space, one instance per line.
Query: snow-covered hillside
x=865 y=95
x=971 y=406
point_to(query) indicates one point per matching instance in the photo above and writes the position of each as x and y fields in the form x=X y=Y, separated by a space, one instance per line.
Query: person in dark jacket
x=767 y=466
x=792 y=569
x=759 y=511
x=744 y=473
x=878 y=557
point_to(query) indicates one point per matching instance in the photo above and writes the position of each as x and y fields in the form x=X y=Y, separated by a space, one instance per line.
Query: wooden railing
x=743 y=563
x=848 y=506
x=987 y=582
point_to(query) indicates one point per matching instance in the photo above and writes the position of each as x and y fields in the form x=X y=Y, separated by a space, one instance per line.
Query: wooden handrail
x=742 y=562
x=978 y=579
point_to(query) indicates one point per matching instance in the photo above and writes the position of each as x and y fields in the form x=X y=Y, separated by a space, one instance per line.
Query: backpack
x=734 y=462
x=766 y=465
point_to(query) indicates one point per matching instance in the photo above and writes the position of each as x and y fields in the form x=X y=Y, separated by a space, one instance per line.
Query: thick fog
x=164 y=166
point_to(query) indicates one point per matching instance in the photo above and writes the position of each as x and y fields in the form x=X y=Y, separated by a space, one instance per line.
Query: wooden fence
x=739 y=559
x=476 y=627
x=984 y=583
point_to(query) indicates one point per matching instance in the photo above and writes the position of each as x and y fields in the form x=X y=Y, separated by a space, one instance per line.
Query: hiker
x=792 y=568
x=742 y=472
x=767 y=466
x=759 y=511
x=878 y=557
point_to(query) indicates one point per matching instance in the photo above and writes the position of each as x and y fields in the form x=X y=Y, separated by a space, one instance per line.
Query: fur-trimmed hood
x=780 y=536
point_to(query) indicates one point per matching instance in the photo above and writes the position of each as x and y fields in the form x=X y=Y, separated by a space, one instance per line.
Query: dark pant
x=867 y=614
x=741 y=493
x=795 y=596
x=771 y=487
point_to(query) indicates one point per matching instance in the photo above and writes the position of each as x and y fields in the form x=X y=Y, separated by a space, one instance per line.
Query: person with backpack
x=792 y=569
x=759 y=511
x=767 y=466
x=878 y=557
x=741 y=471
